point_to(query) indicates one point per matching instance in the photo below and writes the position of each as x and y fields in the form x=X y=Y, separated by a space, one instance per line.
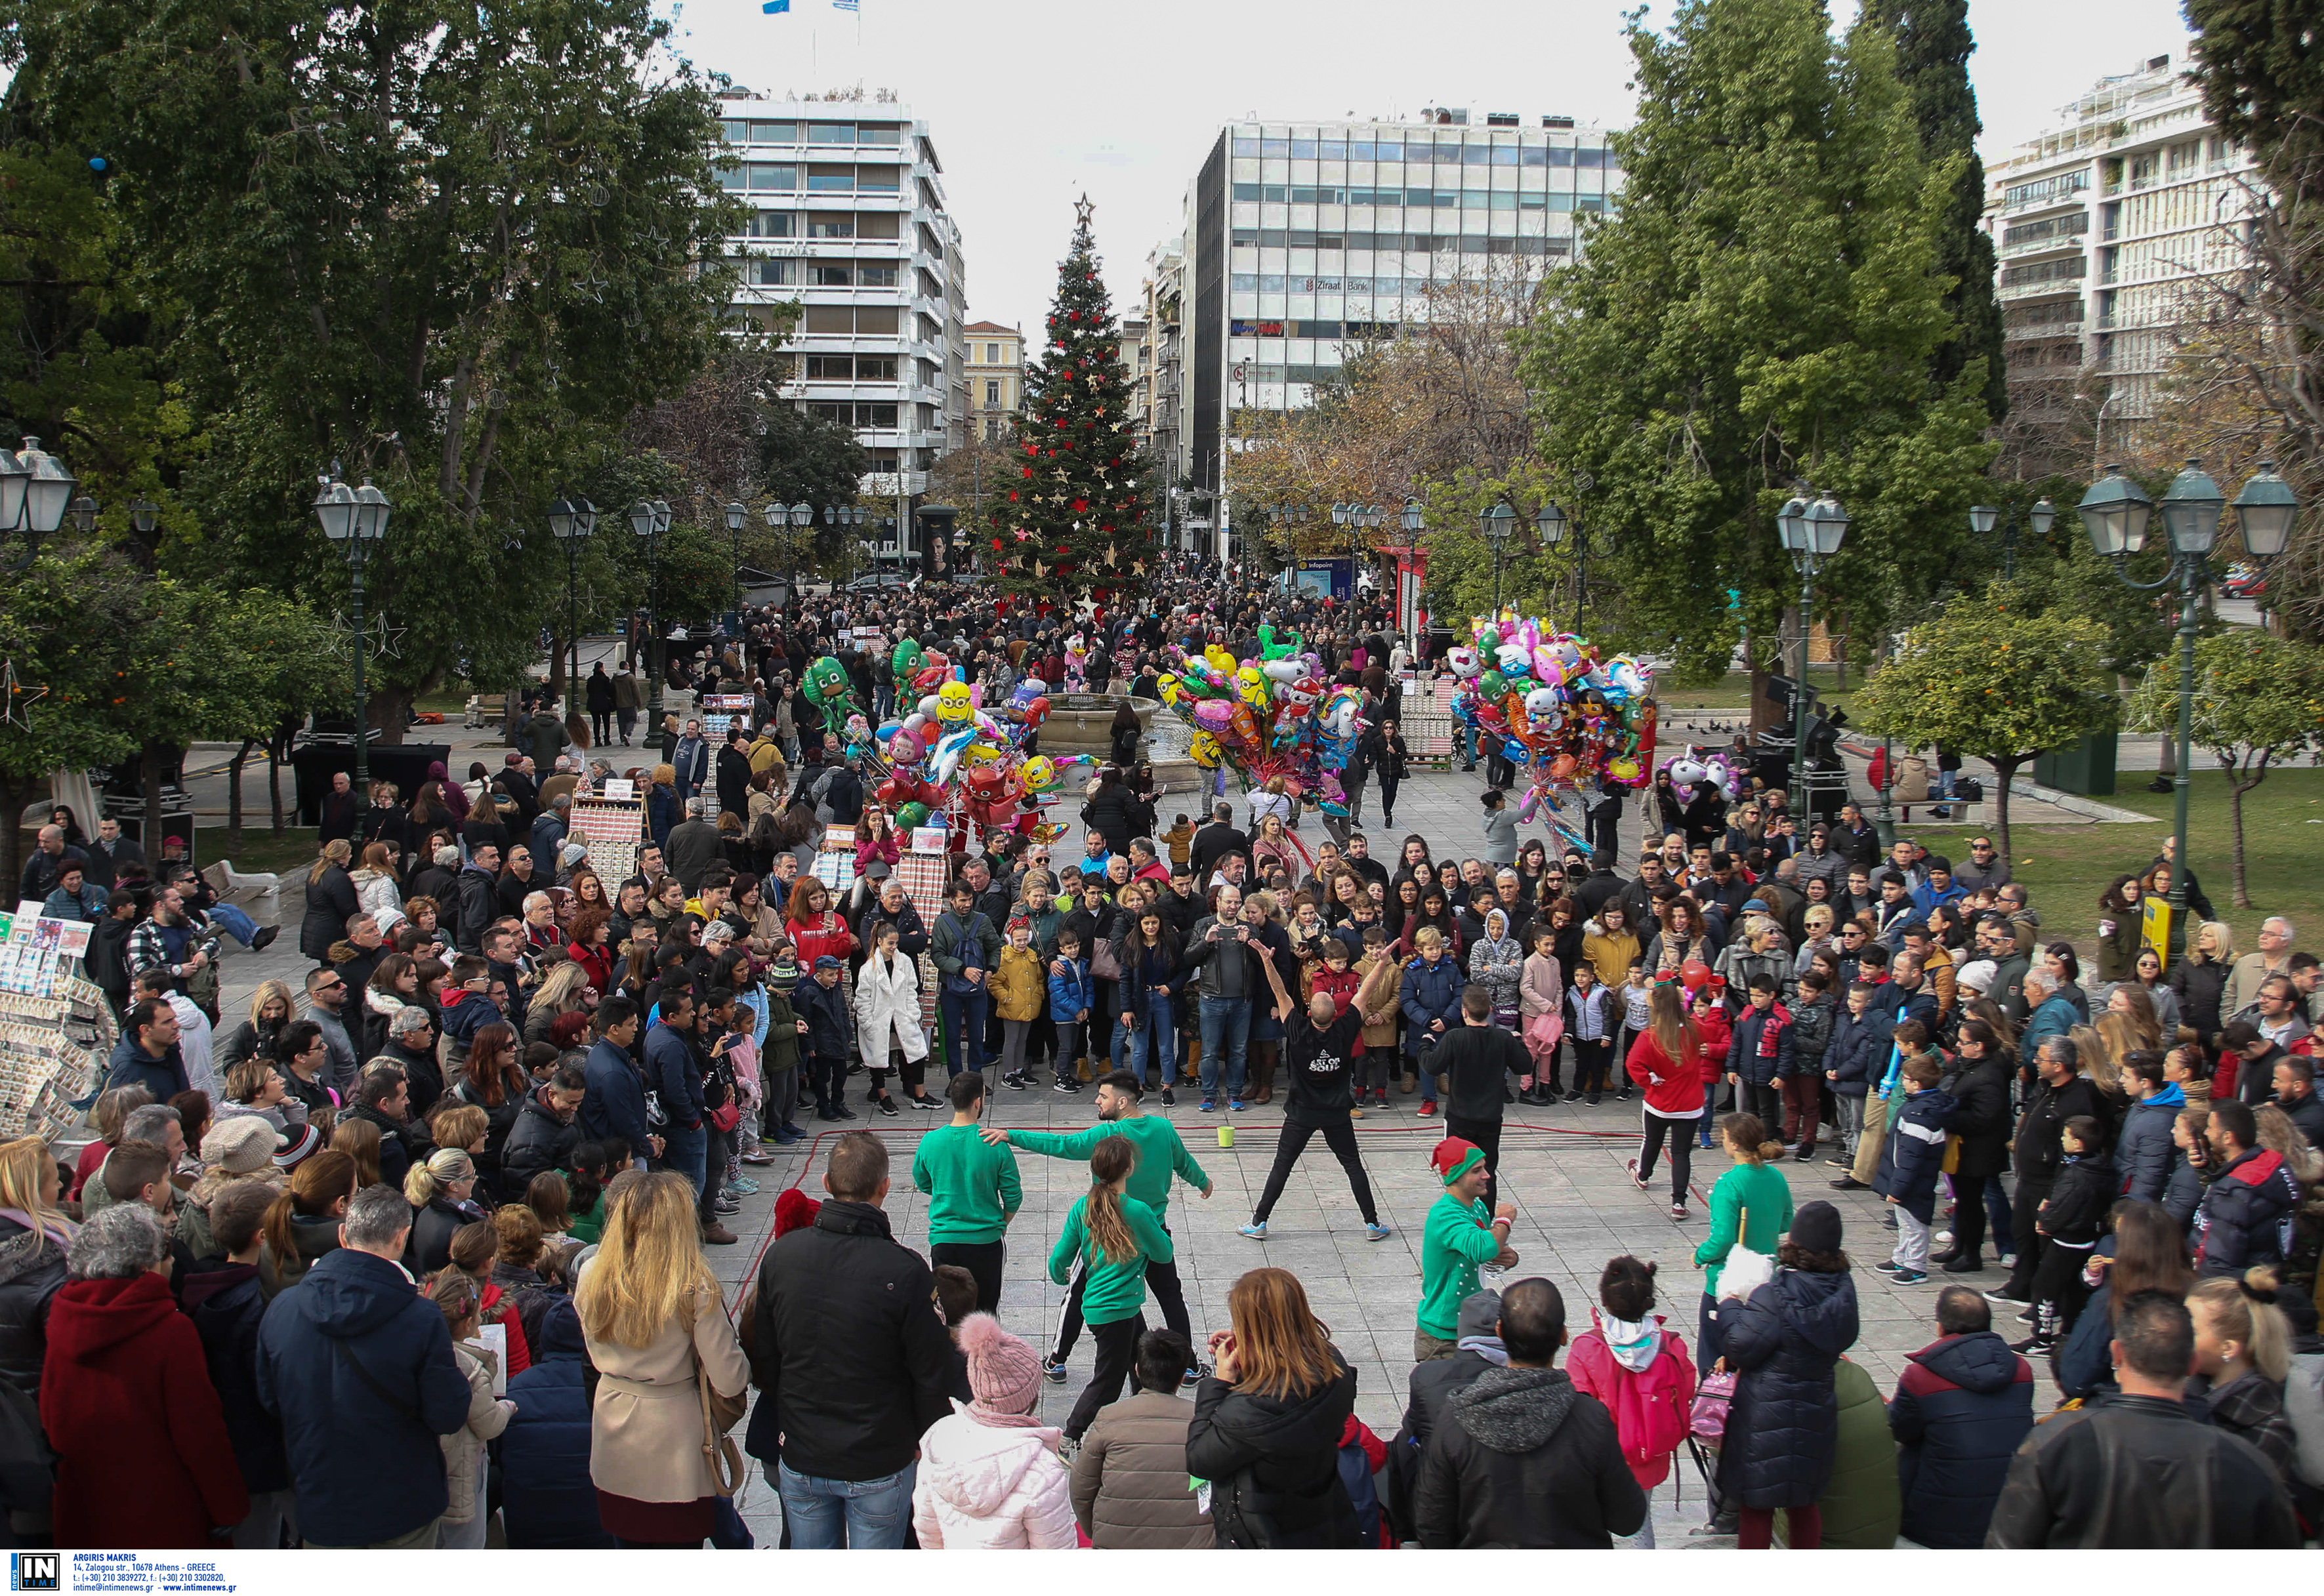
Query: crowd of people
x=453 y=1193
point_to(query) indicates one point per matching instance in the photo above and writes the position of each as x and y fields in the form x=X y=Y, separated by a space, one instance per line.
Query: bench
x=258 y=896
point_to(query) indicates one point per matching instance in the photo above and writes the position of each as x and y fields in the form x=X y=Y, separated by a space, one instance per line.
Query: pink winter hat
x=1004 y=1374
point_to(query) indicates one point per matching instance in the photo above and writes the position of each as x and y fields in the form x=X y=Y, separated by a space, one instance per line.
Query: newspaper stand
x=57 y=1030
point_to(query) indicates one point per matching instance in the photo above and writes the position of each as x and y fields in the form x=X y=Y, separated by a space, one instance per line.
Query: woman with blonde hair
x=34 y=1239
x=558 y=993
x=441 y=1192
x=2201 y=979
x=378 y=889
x=331 y=901
x=1267 y=1421
x=359 y=1140
x=2243 y=1350
x=272 y=1007
x=655 y=1327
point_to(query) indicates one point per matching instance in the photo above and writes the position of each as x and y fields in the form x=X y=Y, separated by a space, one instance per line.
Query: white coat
x=887 y=1006
x=987 y=1489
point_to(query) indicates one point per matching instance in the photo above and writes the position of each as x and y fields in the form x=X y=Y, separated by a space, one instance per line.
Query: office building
x=2104 y=229
x=849 y=223
x=1302 y=238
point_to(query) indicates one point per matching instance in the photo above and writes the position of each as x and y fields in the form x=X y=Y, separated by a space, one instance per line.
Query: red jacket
x=145 y=1458
x=1342 y=987
x=1674 y=1086
x=1649 y=1407
x=1716 y=1031
x=598 y=961
x=826 y=934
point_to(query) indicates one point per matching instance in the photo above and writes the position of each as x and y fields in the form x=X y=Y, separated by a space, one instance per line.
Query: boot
x=1263 y=1072
x=1411 y=1082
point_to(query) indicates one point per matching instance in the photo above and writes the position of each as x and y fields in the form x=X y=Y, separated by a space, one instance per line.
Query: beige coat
x=645 y=1439
x=463 y=1448
x=1130 y=1478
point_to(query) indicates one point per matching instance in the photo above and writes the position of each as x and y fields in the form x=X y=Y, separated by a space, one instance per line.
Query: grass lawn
x=1733 y=690
x=2066 y=867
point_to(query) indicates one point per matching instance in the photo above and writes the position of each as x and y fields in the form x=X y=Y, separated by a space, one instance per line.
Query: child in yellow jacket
x=1018 y=986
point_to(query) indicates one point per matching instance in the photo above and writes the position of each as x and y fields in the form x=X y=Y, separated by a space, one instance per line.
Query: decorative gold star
x=14 y=695
x=1082 y=208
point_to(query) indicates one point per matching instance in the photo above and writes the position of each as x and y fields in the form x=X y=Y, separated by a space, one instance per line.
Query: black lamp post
x=649 y=521
x=1498 y=525
x=571 y=521
x=1813 y=533
x=35 y=491
x=1983 y=518
x=357 y=518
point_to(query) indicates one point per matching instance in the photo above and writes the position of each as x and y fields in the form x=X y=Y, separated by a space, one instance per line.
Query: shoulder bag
x=720 y=1414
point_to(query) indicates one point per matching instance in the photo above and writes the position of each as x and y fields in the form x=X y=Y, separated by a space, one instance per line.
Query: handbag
x=1952 y=1155
x=725 y=1116
x=1546 y=1028
x=1103 y=963
x=719 y=1415
x=1706 y=1420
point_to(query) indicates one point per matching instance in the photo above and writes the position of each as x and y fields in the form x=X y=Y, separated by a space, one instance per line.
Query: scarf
x=57 y=1228
x=1487 y=1347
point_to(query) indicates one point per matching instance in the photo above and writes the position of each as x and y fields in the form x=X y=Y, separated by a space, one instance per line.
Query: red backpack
x=1649 y=1409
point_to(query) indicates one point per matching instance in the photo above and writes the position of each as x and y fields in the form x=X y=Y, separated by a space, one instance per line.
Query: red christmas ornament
x=1079 y=506
x=1027 y=470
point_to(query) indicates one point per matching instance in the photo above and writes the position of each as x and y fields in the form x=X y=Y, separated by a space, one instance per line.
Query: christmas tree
x=1079 y=521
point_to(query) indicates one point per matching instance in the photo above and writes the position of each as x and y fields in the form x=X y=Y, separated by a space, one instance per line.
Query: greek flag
x=853 y=6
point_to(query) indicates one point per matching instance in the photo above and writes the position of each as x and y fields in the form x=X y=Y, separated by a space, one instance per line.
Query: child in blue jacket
x=1759 y=1055
x=1430 y=998
x=1910 y=1161
x=818 y=1000
x=1070 y=1001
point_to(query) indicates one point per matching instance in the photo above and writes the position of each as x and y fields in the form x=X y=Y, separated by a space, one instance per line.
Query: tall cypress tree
x=1933 y=50
x=1083 y=526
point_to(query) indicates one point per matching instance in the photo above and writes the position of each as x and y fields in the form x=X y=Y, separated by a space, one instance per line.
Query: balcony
x=2050 y=245
x=2046 y=329
x=2049 y=288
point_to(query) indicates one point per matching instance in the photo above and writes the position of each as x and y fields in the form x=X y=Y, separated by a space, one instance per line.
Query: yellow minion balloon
x=1204 y=748
x=954 y=704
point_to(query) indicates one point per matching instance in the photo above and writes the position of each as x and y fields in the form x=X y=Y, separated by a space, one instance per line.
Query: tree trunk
x=149 y=765
x=555 y=663
x=390 y=712
x=15 y=792
x=2235 y=791
x=233 y=795
x=1839 y=635
x=274 y=750
x=2004 y=771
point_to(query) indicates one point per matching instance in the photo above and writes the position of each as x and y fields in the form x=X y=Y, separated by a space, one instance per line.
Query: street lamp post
x=1982 y=519
x=649 y=521
x=736 y=514
x=2115 y=512
x=1552 y=523
x=356 y=517
x=35 y=491
x=1811 y=534
x=571 y=521
x=1498 y=525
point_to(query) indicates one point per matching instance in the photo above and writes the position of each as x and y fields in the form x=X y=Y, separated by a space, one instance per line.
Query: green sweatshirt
x=1762 y=1189
x=1112 y=1290
x=1457 y=1238
x=972 y=1183
x=1161 y=1155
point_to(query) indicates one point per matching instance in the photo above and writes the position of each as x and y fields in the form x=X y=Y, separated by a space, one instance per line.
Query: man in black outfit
x=1602 y=885
x=1318 y=1056
x=1215 y=842
x=1478 y=1059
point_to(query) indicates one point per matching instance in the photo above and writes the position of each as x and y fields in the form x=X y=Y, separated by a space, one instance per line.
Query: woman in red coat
x=143 y=1456
x=815 y=929
x=1668 y=1057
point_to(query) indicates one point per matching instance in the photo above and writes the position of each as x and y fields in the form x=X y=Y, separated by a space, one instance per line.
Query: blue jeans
x=1469 y=745
x=230 y=918
x=1226 y=1034
x=688 y=1152
x=846 y=1515
x=964 y=1014
x=1157 y=1037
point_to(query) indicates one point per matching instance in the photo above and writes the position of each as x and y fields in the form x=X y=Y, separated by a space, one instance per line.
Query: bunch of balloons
x=1568 y=720
x=1692 y=767
x=1268 y=715
x=951 y=754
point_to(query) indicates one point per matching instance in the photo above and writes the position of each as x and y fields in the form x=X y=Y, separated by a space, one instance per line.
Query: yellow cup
x=1226 y=1136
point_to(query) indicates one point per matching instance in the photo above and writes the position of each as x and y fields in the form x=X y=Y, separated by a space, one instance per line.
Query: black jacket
x=1783 y=1426
x=540 y=1141
x=2140 y=1473
x=433 y=1229
x=2245 y=1215
x=227 y=1306
x=1980 y=1095
x=32 y=1269
x=331 y=902
x=1961 y=1408
x=2199 y=988
x=847 y=1349
x=399 y=1143
x=2040 y=1151
x=1524 y=1460
x=1274 y=1463
x=1212 y=844
x=478 y=907
x=1480 y=1060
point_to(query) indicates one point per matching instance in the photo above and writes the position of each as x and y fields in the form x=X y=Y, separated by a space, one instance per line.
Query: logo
x=35 y=1570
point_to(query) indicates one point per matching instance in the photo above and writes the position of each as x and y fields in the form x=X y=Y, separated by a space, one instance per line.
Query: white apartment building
x=1301 y=237
x=849 y=221
x=2100 y=227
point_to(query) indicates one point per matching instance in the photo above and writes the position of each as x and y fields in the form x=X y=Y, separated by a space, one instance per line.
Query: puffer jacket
x=1962 y=1406
x=1860 y=1507
x=463 y=1448
x=1429 y=992
x=2145 y=1157
x=1782 y=1426
x=1524 y=1459
x=1980 y=1095
x=1129 y=1478
x=32 y=1267
x=1499 y=968
x=1274 y=1463
x=986 y=1488
x=1857 y=1053
x=547 y=1497
x=1811 y=1028
x=2245 y=1215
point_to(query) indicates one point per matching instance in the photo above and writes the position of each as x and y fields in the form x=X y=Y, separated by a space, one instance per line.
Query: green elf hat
x=1454 y=1157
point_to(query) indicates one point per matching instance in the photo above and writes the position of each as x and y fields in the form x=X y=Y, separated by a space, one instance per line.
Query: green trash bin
x=2085 y=766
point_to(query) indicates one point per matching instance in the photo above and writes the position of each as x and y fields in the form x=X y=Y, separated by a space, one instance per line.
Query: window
x=831 y=132
x=767 y=273
x=876 y=180
x=875 y=368
x=1246 y=147
x=871 y=133
x=831 y=180
x=875 y=273
x=1247 y=192
x=820 y=275
x=876 y=320
x=992 y=354
x=1275 y=149
x=767 y=178
x=1315 y=329
x=774 y=224
x=1303 y=148
x=774 y=133
x=876 y=224
x=1591 y=160
x=830 y=223
x=830 y=368
x=829 y=319
x=993 y=395
x=737 y=132
x=991 y=428
x=882 y=416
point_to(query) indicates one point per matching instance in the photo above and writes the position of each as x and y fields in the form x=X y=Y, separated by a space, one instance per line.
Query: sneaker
x=265 y=938
x=1068 y=1086
x=1679 y=1212
x=887 y=1107
x=1379 y=1098
x=1633 y=1167
x=791 y=1130
x=1970 y=1264
x=1573 y=1097
x=742 y=1186
x=839 y=1111
x=1889 y=1267
x=1943 y=1239
x=726 y=1205
x=1015 y=1082
x=2001 y=1295
x=1169 y=1098
x=785 y=1136
x=1623 y=1095
x=1194 y=1376
x=1805 y=1155
x=1356 y=1114
x=1054 y=1370
x=1428 y=1110
x=924 y=1101
x=1911 y=1277
x=1234 y=1105
x=2032 y=1343
x=1842 y=1160
x=829 y=1114
x=755 y=1157
x=1256 y=1230
x=1210 y=1106
x=1593 y=1099
x=1376 y=1232
x=717 y=1235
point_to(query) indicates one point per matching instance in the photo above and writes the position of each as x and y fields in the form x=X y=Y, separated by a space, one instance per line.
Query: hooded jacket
x=1962 y=1406
x=1524 y=1460
x=1980 y=1118
x=2140 y=1473
x=1129 y=1478
x=1914 y=1153
x=546 y=1497
x=1642 y=1373
x=354 y=1350
x=2245 y=1215
x=983 y=1486
x=1783 y=1424
x=1274 y=1463
x=125 y=1379
x=541 y=1139
x=1857 y=1053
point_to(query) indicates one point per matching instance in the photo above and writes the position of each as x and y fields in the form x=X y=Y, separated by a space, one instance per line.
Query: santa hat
x=1454 y=1157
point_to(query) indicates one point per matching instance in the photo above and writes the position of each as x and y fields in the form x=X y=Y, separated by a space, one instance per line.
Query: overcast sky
x=1034 y=102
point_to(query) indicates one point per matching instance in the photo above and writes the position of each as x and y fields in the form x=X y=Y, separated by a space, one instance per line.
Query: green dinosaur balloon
x=825 y=685
x=905 y=661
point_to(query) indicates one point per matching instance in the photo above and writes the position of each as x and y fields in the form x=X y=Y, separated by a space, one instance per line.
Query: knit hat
x=1815 y=1228
x=1454 y=1157
x=785 y=971
x=240 y=1144
x=794 y=1211
x=304 y=1142
x=1004 y=1374
x=1977 y=976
